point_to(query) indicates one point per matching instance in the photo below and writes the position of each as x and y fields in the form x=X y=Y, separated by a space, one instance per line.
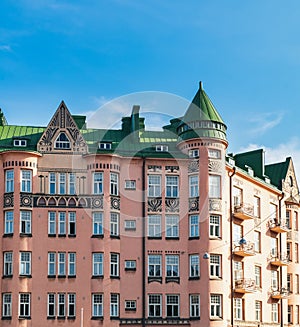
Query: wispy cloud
x=265 y=122
x=5 y=48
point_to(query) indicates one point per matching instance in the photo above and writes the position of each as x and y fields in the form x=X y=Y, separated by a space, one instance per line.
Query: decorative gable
x=62 y=134
x=290 y=185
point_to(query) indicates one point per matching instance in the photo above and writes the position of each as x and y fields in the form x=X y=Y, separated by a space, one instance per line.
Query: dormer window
x=21 y=143
x=213 y=153
x=194 y=153
x=105 y=145
x=161 y=148
x=62 y=142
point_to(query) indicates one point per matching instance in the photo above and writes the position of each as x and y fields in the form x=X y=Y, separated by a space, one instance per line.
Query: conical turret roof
x=202 y=119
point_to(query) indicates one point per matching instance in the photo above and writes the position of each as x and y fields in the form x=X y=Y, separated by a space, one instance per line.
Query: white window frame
x=72 y=223
x=154 y=305
x=24 y=305
x=62 y=142
x=172 y=226
x=130 y=305
x=104 y=146
x=274 y=313
x=98 y=263
x=52 y=223
x=7 y=263
x=238 y=308
x=9 y=180
x=9 y=222
x=114 y=305
x=194 y=264
x=161 y=148
x=72 y=183
x=215 y=266
x=114 y=224
x=194 y=226
x=172 y=186
x=98 y=182
x=62 y=223
x=216 y=306
x=97 y=305
x=6 y=305
x=194 y=153
x=114 y=264
x=173 y=304
x=51 y=263
x=71 y=305
x=20 y=143
x=130 y=265
x=97 y=223
x=257 y=274
x=214 y=186
x=215 y=226
x=114 y=184
x=61 y=260
x=71 y=264
x=154 y=226
x=25 y=222
x=130 y=184
x=130 y=225
x=51 y=305
x=61 y=305
x=194 y=305
x=154 y=186
x=193 y=186
x=26 y=180
x=172 y=265
x=258 y=310
x=154 y=265
x=62 y=183
x=25 y=263
x=214 y=154
x=52 y=183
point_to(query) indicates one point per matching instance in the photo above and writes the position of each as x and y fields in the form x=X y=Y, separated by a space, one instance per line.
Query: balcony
x=244 y=211
x=281 y=259
x=244 y=249
x=282 y=293
x=277 y=226
x=245 y=285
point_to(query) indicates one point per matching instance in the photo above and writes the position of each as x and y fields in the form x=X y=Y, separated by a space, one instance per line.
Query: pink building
x=145 y=228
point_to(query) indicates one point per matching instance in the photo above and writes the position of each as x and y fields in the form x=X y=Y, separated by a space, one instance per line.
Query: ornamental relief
x=8 y=200
x=214 y=166
x=155 y=204
x=215 y=205
x=193 y=166
x=172 y=205
x=194 y=204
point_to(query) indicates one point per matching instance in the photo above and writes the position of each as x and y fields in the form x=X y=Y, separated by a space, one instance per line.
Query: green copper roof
x=278 y=171
x=202 y=119
x=253 y=159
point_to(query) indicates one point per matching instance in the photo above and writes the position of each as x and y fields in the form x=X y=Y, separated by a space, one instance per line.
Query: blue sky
x=247 y=53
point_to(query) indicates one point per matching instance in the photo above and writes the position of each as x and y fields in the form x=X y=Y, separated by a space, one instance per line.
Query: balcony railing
x=282 y=293
x=244 y=250
x=245 y=285
x=277 y=226
x=280 y=259
x=244 y=211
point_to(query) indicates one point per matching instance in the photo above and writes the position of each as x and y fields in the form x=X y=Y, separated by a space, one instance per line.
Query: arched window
x=62 y=142
x=291 y=181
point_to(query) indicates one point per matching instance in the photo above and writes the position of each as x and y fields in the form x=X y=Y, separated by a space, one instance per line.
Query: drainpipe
x=231 y=174
x=280 y=197
x=144 y=242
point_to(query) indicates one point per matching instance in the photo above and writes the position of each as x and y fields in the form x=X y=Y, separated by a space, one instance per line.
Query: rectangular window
x=72 y=183
x=114 y=224
x=193 y=186
x=71 y=305
x=154 y=226
x=172 y=265
x=194 y=226
x=97 y=223
x=172 y=186
x=274 y=280
x=215 y=262
x=290 y=314
x=62 y=224
x=97 y=264
x=161 y=148
x=274 y=247
x=297 y=285
x=172 y=309
x=130 y=225
x=6 y=305
x=114 y=305
x=194 y=266
x=51 y=223
x=296 y=253
x=7 y=264
x=104 y=145
x=215 y=306
x=71 y=264
x=114 y=184
x=24 y=305
x=237 y=233
x=258 y=310
x=154 y=305
x=9 y=180
x=61 y=309
x=257 y=246
x=26 y=177
x=62 y=183
x=274 y=312
x=25 y=263
x=22 y=143
x=51 y=305
x=98 y=183
x=51 y=264
x=237 y=194
x=154 y=265
x=214 y=226
x=114 y=264
x=256 y=207
x=172 y=226
x=257 y=273
x=97 y=305
x=130 y=305
x=214 y=154
x=288 y=222
x=25 y=222
x=130 y=184
x=62 y=264
x=194 y=153
x=238 y=270
x=296 y=227
x=215 y=186
x=238 y=309
x=273 y=212
x=130 y=265
x=9 y=222
x=194 y=305
x=52 y=183
x=289 y=281
x=72 y=223
x=154 y=186
x=297 y=318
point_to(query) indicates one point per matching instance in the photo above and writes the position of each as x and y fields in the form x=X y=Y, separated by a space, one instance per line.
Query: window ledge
x=51 y=317
x=25 y=235
x=215 y=278
x=71 y=276
x=115 y=236
x=51 y=235
x=51 y=276
x=114 y=277
x=8 y=235
x=97 y=318
x=72 y=235
x=173 y=279
x=215 y=318
x=194 y=238
x=61 y=276
x=24 y=318
x=172 y=238
x=6 y=318
x=61 y=317
x=130 y=309
x=130 y=269
x=7 y=276
x=194 y=318
x=154 y=237
x=61 y=235
x=154 y=279
x=25 y=276
x=194 y=278
x=97 y=277
x=71 y=318
x=97 y=236
x=215 y=238
x=115 y=318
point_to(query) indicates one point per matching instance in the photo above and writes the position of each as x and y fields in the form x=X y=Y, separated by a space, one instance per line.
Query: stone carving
x=8 y=200
x=155 y=204
x=172 y=204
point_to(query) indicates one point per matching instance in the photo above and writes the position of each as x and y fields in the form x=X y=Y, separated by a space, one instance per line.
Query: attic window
x=213 y=153
x=105 y=145
x=161 y=148
x=194 y=153
x=20 y=143
x=62 y=142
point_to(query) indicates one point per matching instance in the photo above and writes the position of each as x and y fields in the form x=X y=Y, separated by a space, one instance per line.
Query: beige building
x=145 y=228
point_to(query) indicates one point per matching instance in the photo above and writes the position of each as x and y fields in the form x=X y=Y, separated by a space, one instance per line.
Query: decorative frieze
x=26 y=200
x=172 y=204
x=215 y=205
x=194 y=204
x=8 y=200
x=115 y=203
x=68 y=201
x=215 y=166
x=155 y=204
x=193 y=166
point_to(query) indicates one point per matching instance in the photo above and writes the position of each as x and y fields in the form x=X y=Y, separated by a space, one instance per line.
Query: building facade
x=145 y=228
